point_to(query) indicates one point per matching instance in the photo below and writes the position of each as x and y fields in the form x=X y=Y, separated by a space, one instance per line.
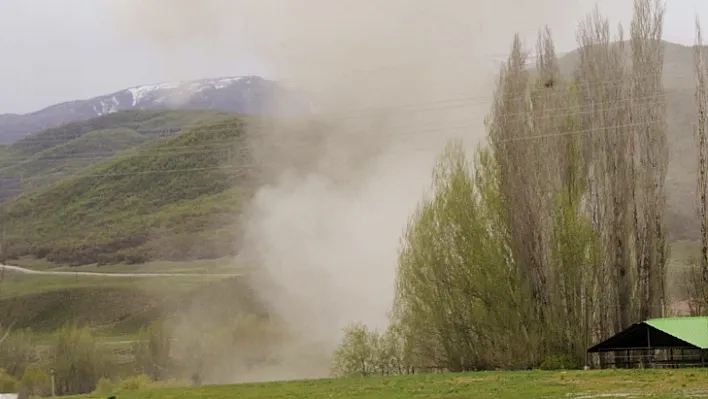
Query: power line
x=221 y=127
x=218 y=147
x=221 y=147
x=582 y=131
x=244 y=168
x=252 y=166
x=426 y=106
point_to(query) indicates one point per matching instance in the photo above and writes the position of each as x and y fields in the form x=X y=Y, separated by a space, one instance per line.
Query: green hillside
x=67 y=158
x=123 y=305
x=58 y=153
x=175 y=200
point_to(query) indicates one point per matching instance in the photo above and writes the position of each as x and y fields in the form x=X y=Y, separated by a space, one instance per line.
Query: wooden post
x=54 y=392
x=648 y=357
x=671 y=358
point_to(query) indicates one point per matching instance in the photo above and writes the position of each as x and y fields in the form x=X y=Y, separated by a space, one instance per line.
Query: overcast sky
x=58 y=50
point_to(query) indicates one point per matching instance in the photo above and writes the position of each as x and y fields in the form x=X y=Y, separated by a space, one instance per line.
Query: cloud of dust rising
x=397 y=79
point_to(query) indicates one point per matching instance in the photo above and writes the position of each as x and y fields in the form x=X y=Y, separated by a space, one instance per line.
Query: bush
x=18 y=351
x=76 y=361
x=559 y=362
x=172 y=383
x=152 y=351
x=365 y=353
x=136 y=383
x=36 y=381
x=105 y=386
x=8 y=383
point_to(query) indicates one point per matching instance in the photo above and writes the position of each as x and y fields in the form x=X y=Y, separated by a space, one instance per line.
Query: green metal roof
x=693 y=330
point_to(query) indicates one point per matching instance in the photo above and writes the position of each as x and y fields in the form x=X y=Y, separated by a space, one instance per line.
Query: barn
x=670 y=342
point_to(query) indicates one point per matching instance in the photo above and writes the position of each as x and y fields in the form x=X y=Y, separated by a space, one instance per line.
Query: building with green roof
x=664 y=342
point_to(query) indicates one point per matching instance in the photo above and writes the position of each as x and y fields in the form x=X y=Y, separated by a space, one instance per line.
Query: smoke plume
x=394 y=80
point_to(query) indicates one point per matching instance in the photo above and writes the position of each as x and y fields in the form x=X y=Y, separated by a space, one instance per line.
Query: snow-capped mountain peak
x=244 y=95
x=163 y=92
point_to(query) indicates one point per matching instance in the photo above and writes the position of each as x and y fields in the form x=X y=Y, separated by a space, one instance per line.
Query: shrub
x=76 y=360
x=8 y=383
x=559 y=362
x=18 y=351
x=36 y=381
x=152 y=351
x=136 y=383
x=358 y=354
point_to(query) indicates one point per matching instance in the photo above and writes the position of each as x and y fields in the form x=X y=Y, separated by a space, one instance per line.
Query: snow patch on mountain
x=106 y=106
x=162 y=92
x=241 y=95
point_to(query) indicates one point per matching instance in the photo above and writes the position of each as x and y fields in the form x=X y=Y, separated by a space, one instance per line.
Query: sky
x=59 y=50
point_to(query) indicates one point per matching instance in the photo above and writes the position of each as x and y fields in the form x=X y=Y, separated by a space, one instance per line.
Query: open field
x=112 y=304
x=684 y=253
x=196 y=273
x=205 y=266
x=657 y=384
x=18 y=284
x=45 y=302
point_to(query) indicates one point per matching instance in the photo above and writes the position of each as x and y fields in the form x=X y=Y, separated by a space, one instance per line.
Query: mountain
x=243 y=95
x=174 y=199
x=57 y=153
x=179 y=197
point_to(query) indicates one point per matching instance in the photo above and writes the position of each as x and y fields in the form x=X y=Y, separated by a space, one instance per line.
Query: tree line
x=552 y=236
x=159 y=355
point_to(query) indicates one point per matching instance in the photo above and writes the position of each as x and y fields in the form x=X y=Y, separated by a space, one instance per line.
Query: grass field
x=223 y=265
x=199 y=271
x=121 y=304
x=657 y=384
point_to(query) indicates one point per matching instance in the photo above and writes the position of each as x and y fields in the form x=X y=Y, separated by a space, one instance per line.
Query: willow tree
x=499 y=260
x=461 y=302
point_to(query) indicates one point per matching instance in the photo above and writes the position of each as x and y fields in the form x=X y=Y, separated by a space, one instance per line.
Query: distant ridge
x=243 y=95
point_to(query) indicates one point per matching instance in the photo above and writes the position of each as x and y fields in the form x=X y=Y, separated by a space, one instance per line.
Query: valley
x=122 y=223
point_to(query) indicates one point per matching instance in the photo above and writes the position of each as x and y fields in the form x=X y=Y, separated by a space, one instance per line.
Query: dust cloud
x=391 y=81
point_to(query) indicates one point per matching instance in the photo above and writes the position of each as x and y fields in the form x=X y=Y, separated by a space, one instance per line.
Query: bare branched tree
x=604 y=100
x=520 y=155
x=699 y=285
x=649 y=155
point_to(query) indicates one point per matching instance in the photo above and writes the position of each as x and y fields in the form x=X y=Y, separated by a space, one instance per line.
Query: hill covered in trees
x=57 y=153
x=162 y=198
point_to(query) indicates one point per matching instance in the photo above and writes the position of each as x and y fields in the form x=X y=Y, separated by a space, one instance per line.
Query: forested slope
x=175 y=199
